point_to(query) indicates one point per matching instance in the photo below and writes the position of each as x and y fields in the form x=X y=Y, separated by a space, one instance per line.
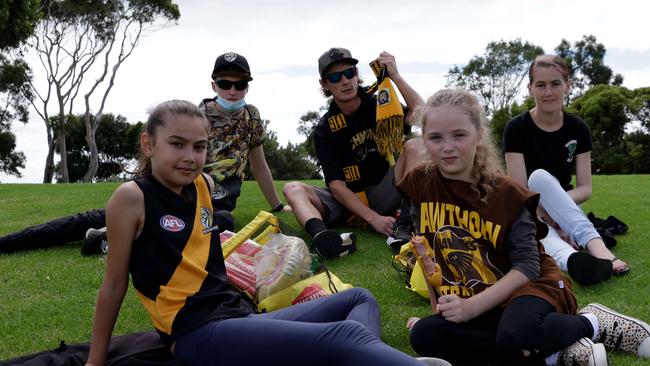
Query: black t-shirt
x=346 y=148
x=552 y=151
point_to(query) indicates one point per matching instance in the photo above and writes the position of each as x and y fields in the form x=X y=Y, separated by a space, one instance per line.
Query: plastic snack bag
x=282 y=262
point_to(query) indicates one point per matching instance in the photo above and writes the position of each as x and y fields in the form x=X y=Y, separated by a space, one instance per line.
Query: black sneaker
x=330 y=244
x=586 y=269
x=401 y=235
x=95 y=242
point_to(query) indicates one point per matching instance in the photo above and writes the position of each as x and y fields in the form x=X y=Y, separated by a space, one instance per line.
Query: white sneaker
x=430 y=361
x=584 y=352
x=95 y=242
x=620 y=332
x=400 y=235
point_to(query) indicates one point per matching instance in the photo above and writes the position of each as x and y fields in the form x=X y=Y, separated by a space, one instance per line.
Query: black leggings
x=527 y=331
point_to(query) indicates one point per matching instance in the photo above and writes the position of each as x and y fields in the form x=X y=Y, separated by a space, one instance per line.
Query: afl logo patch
x=171 y=223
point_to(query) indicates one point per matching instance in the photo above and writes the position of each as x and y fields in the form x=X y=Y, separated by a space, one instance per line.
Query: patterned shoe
x=620 y=332
x=584 y=352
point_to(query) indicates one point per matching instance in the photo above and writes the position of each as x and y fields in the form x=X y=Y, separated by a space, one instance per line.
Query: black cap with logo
x=334 y=54
x=231 y=63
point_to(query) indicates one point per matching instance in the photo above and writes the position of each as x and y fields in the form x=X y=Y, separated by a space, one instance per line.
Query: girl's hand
x=411 y=322
x=455 y=309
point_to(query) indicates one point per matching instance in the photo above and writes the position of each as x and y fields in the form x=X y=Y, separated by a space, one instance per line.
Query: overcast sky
x=282 y=41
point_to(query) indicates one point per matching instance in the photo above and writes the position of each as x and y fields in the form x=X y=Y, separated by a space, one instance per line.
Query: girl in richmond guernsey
x=497 y=297
x=160 y=230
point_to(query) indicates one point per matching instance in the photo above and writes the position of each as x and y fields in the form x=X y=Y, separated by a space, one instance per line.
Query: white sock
x=594 y=323
x=552 y=359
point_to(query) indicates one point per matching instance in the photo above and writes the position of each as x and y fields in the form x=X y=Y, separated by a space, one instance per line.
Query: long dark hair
x=157 y=118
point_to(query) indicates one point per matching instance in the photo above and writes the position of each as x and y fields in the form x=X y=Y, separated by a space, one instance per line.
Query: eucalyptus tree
x=496 y=76
x=17 y=21
x=80 y=46
x=586 y=62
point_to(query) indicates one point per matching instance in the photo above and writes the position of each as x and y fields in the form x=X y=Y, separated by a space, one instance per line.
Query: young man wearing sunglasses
x=236 y=137
x=359 y=179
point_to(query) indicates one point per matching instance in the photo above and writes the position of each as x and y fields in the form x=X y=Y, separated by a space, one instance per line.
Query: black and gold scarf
x=389 y=132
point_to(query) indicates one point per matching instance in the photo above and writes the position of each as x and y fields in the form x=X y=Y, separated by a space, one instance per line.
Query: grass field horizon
x=48 y=295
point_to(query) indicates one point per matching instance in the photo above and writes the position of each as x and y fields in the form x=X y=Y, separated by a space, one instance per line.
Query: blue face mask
x=231 y=106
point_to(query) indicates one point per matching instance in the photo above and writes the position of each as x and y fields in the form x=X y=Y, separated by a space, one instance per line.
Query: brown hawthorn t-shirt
x=468 y=236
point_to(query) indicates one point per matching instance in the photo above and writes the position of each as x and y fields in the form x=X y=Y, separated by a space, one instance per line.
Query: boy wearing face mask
x=236 y=135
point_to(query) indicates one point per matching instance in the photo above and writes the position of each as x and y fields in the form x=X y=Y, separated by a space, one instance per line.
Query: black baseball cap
x=231 y=63
x=334 y=54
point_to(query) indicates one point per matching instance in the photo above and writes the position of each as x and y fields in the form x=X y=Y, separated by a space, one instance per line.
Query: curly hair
x=487 y=164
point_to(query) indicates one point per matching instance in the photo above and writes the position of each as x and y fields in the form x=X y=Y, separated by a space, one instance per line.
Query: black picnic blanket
x=137 y=349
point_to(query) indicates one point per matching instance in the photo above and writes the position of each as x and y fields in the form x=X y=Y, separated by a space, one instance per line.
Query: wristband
x=278 y=208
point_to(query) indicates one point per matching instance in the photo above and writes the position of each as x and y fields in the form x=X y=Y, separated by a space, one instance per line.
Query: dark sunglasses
x=227 y=84
x=335 y=77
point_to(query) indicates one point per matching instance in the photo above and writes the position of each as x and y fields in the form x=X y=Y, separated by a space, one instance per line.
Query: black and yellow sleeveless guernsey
x=176 y=263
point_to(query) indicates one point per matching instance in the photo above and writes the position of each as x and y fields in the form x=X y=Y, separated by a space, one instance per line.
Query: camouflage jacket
x=232 y=136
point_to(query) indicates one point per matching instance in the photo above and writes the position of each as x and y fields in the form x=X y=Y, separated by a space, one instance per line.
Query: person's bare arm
x=411 y=97
x=582 y=190
x=124 y=217
x=263 y=177
x=516 y=167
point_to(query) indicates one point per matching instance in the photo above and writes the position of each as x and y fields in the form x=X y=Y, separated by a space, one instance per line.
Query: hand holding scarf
x=389 y=133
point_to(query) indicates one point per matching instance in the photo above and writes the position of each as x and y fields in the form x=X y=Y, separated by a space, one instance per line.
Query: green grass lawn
x=48 y=295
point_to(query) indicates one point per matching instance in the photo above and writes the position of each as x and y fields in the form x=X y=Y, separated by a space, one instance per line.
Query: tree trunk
x=65 y=177
x=93 y=163
x=48 y=172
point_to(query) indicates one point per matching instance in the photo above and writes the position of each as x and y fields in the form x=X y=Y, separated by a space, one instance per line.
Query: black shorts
x=383 y=198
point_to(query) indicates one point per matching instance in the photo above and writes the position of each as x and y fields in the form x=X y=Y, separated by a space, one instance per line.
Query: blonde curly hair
x=487 y=164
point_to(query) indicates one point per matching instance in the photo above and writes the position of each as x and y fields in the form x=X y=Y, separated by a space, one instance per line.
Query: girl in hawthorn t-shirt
x=496 y=296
